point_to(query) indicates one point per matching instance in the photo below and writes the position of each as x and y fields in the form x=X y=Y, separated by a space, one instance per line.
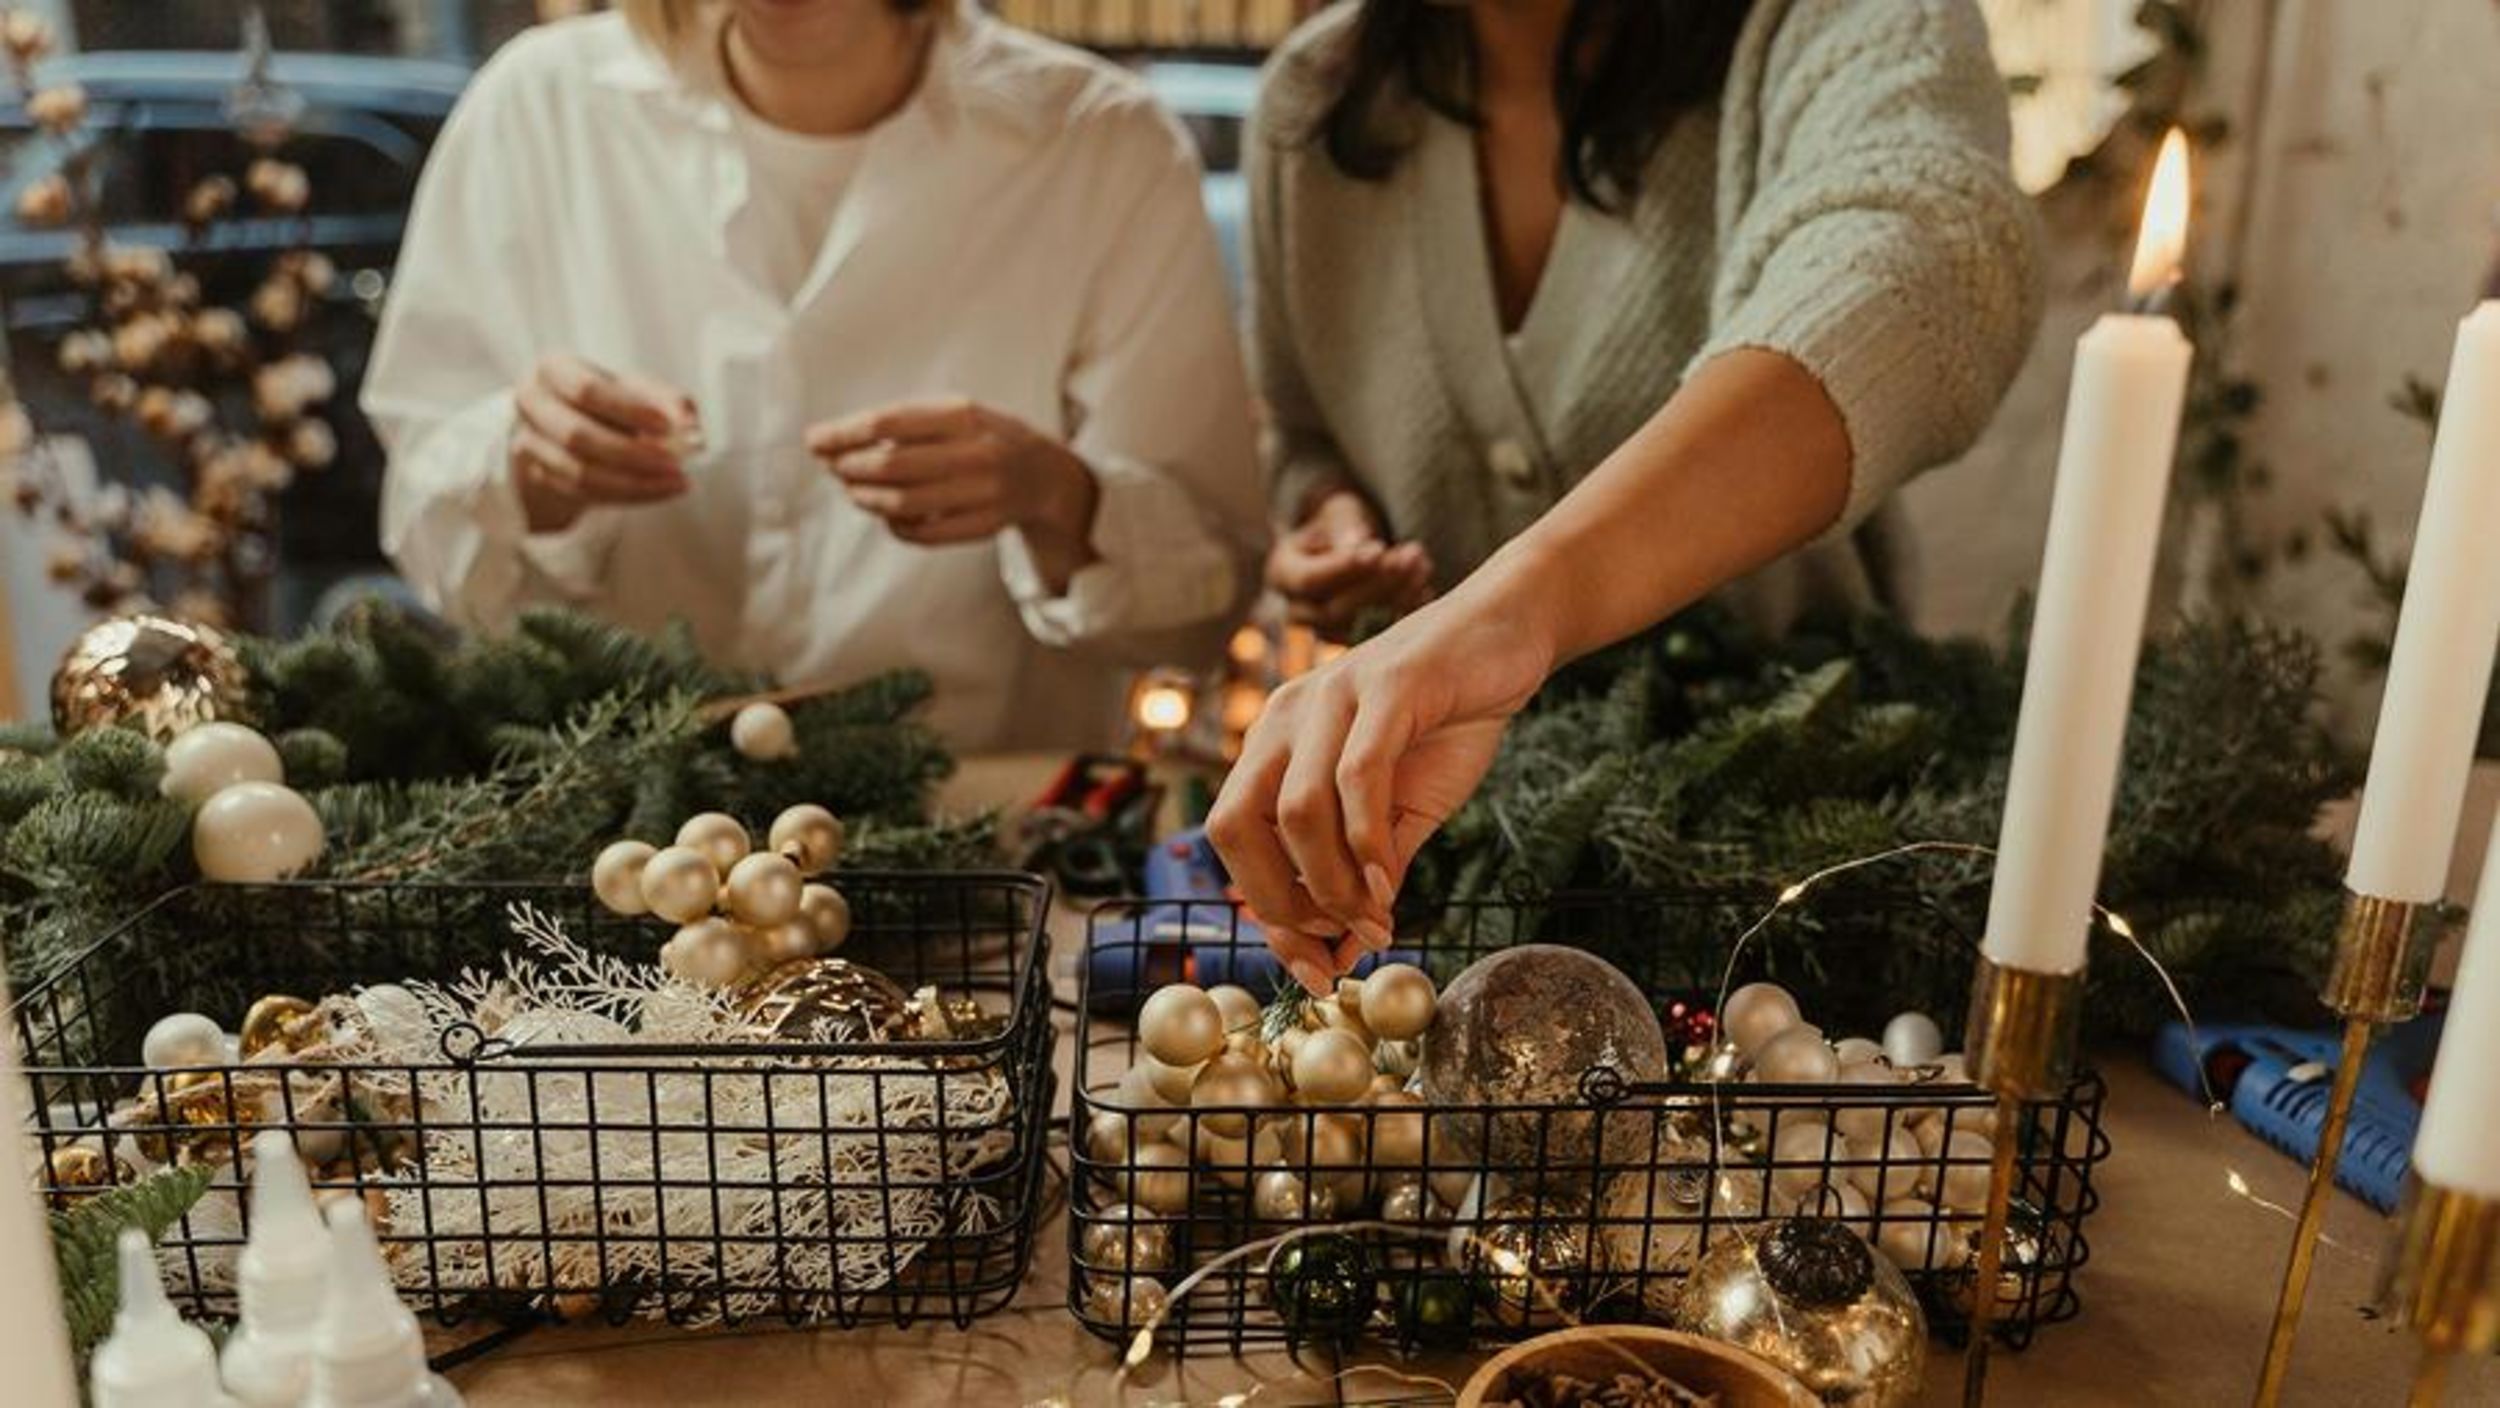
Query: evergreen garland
x=1701 y=761
x=444 y=758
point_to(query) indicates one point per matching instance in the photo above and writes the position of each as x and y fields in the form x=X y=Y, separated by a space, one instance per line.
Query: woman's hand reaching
x=584 y=436
x=1353 y=766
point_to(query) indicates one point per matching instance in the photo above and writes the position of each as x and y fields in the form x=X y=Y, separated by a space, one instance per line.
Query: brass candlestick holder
x=2021 y=1046
x=2444 y=1281
x=2382 y=956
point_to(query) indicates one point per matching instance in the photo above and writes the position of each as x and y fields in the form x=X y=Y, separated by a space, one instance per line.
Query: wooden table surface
x=2176 y=1302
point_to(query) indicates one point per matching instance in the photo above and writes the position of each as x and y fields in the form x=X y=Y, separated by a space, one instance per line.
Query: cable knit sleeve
x=1301 y=456
x=1869 y=227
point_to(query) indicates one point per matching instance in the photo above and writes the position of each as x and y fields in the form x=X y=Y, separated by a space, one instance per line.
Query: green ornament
x=1436 y=1310
x=1321 y=1285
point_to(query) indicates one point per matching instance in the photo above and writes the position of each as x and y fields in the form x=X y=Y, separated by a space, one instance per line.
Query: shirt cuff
x=1143 y=523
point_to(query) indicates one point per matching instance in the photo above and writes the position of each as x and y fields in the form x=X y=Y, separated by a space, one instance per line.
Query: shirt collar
x=973 y=69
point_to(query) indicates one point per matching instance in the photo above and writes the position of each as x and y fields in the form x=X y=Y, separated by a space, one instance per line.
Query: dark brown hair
x=1626 y=70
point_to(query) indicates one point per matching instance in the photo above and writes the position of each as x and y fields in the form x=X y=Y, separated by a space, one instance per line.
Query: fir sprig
x=84 y=1236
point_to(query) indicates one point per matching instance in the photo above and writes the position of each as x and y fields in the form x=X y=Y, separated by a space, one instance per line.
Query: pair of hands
x=937 y=472
x=1336 y=568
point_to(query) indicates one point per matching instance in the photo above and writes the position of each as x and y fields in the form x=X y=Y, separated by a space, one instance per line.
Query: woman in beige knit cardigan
x=1568 y=313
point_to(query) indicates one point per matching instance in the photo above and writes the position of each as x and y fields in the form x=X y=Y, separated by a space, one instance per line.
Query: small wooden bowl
x=1599 y=1352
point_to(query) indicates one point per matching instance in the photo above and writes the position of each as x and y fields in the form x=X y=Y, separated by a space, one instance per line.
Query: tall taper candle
x=2458 y=1147
x=2444 y=640
x=2113 y=474
x=34 y=1336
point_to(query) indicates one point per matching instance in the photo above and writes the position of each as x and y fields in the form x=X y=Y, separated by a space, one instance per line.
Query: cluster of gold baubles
x=740 y=911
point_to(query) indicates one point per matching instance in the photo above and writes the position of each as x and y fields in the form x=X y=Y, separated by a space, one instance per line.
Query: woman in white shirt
x=855 y=333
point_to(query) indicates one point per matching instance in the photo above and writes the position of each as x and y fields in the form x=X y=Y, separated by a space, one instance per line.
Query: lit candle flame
x=2161 y=242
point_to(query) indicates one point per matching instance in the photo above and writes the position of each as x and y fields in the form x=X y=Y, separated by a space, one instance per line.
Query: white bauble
x=762 y=732
x=1180 y=1025
x=1398 y=1001
x=396 y=1017
x=1797 y=1056
x=207 y=758
x=1799 y=1157
x=1331 y=1067
x=680 y=884
x=1866 y=1122
x=616 y=876
x=1755 y=1013
x=718 y=836
x=183 y=1039
x=1857 y=1051
x=763 y=890
x=1913 y=1039
x=1957 y=1176
x=255 y=832
x=1892 y=1168
x=1913 y=1237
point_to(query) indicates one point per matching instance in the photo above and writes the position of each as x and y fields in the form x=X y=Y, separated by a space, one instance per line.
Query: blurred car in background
x=160 y=124
x=1213 y=101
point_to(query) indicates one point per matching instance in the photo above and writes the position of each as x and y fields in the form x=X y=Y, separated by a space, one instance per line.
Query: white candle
x=34 y=1336
x=2444 y=643
x=2113 y=474
x=2459 y=1144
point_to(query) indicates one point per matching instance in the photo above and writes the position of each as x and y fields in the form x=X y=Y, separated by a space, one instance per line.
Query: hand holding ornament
x=955 y=471
x=583 y=436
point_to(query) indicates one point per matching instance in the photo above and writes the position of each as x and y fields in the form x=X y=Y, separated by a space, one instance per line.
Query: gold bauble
x=1156 y=1178
x=286 y=1023
x=680 y=884
x=1110 y=1137
x=1173 y=1083
x=1281 y=1195
x=809 y=835
x=826 y=914
x=1332 y=1067
x=151 y=673
x=718 y=836
x=1180 y=1025
x=829 y=999
x=1398 y=1130
x=616 y=876
x=1126 y=1301
x=1240 y=1010
x=763 y=890
x=762 y=732
x=1814 y=1299
x=786 y=943
x=709 y=953
x=1228 y=1086
x=76 y=1171
x=1120 y=1238
x=1397 y=1001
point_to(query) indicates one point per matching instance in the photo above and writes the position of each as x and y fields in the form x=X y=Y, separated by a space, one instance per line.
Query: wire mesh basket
x=1597 y=1208
x=884 y=1179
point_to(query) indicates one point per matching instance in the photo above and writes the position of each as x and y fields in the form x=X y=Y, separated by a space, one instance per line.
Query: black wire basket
x=1594 y=1209
x=813 y=1180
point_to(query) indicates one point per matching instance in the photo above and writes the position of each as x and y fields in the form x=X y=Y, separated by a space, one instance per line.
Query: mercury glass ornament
x=718 y=836
x=1810 y=1297
x=1123 y=1238
x=1649 y=1229
x=1529 y=1257
x=1408 y=1200
x=1755 y=1013
x=1524 y=1026
x=1282 y=1195
x=152 y=673
x=762 y=732
x=278 y=1021
x=2018 y=1268
x=1180 y=1025
x=76 y=1171
x=1321 y=1285
x=810 y=836
x=255 y=832
x=1126 y=1301
x=616 y=877
x=829 y=998
x=1436 y=1309
x=209 y=757
x=1913 y=1039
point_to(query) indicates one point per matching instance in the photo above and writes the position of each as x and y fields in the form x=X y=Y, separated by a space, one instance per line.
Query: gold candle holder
x=2020 y=1043
x=2382 y=961
x=2444 y=1280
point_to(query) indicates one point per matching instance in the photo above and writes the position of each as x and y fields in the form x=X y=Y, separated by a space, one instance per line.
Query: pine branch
x=84 y=1237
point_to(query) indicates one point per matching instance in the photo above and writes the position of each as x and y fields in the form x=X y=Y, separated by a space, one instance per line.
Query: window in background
x=2059 y=58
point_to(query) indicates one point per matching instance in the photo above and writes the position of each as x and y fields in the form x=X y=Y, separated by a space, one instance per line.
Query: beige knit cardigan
x=1846 y=202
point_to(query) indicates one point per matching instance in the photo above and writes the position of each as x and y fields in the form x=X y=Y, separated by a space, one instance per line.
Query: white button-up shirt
x=1026 y=231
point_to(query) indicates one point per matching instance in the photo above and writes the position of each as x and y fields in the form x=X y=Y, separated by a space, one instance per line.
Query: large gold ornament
x=831 y=999
x=77 y=1171
x=290 y=1024
x=1811 y=1297
x=152 y=673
